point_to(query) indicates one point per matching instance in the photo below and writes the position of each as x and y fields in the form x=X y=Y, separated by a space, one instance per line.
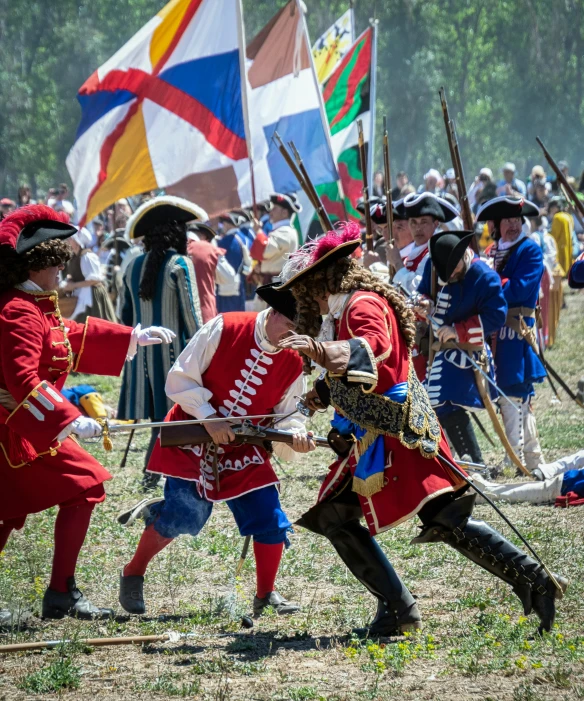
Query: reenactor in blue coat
x=519 y=262
x=469 y=307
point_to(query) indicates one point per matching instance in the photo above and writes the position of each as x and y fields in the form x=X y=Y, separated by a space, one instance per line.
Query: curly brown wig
x=157 y=242
x=15 y=267
x=345 y=276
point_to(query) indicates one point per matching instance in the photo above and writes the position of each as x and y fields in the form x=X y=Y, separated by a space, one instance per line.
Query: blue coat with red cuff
x=476 y=308
x=516 y=363
x=38 y=349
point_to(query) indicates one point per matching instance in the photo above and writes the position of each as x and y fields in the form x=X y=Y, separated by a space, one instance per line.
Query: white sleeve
x=90 y=267
x=279 y=243
x=224 y=272
x=408 y=279
x=184 y=384
x=294 y=423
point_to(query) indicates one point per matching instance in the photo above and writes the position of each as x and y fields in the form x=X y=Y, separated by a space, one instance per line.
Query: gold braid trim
x=413 y=423
x=51 y=451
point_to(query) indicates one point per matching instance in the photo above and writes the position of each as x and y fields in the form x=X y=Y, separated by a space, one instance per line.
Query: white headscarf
x=83 y=238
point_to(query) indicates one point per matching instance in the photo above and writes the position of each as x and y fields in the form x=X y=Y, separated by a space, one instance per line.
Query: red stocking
x=267 y=559
x=151 y=543
x=70 y=529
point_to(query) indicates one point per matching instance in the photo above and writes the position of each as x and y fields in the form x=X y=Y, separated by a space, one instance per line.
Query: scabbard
x=499 y=430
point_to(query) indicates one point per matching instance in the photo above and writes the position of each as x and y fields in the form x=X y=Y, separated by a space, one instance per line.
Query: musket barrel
x=576 y=202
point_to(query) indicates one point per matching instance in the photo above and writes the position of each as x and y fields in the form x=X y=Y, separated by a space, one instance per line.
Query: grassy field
x=475 y=643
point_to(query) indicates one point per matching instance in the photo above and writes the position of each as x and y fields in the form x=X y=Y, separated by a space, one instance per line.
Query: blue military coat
x=476 y=308
x=517 y=364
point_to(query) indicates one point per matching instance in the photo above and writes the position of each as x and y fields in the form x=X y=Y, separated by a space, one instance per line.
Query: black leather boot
x=397 y=611
x=460 y=432
x=131 y=595
x=58 y=604
x=274 y=600
x=485 y=546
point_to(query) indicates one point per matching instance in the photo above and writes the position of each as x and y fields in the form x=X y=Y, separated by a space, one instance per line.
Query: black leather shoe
x=58 y=604
x=277 y=602
x=132 y=594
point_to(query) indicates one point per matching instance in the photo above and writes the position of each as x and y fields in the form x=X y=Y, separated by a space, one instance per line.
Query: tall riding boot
x=482 y=544
x=460 y=432
x=397 y=611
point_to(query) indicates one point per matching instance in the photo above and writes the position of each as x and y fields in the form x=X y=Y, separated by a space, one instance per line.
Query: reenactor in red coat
x=41 y=464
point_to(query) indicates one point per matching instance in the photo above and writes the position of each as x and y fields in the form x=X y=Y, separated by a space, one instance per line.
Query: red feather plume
x=348 y=231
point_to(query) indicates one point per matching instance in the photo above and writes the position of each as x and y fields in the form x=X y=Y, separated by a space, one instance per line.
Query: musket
x=304 y=182
x=320 y=210
x=363 y=161
x=568 y=189
x=387 y=182
x=453 y=146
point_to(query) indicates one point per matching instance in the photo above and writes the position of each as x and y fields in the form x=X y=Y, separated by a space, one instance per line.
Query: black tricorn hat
x=282 y=301
x=289 y=201
x=446 y=251
x=429 y=204
x=198 y=227
x=399 y=210
x=160 y=210
x=506 y=208
x=37 y=232
x=236 y=217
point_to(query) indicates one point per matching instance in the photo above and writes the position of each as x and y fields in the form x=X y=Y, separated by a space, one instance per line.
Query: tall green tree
x=513 y=69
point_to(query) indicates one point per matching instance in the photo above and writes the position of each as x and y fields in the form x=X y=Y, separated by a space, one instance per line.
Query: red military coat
x=245 y=380
x=411 y=479
x=38 y=349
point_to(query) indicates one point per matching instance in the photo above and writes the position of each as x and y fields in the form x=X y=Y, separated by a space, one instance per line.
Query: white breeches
x=521 y=431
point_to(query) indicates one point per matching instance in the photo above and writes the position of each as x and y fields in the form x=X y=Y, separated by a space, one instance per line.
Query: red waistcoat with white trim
x=245 y=380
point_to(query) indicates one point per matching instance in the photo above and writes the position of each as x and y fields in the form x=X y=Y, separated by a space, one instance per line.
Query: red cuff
x=258 y=246
x=101 y=347
x=470 y=331
x=42 y=415
x=504 y=281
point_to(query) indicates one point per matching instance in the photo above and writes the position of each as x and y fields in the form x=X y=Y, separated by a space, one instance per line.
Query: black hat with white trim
x=506 y=208
x=288 y=201
x=427 y=204
x=161 y=210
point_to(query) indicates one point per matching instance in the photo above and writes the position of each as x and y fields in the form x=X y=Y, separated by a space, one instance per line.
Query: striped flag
x=284 y=96
x=347 y=97
x=166 y=111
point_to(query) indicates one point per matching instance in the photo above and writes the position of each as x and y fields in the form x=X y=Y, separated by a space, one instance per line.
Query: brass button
x=34 y=393
x=53 y=452
x=395 y=478
x=26 y=405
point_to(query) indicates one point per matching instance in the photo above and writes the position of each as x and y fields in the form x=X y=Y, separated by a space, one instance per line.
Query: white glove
x=83 y=426
x=153 y=335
